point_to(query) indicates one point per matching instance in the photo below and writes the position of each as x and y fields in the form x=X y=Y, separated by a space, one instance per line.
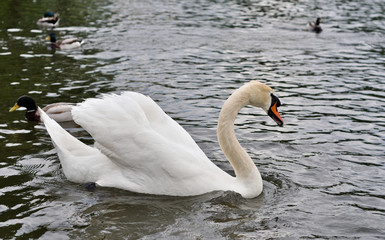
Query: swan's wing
x=134 y=132
x=81 y=163
x=153 y=152
x=63 y=141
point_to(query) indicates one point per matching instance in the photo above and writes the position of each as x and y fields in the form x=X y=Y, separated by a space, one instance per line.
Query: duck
x=49 y=19
x=139 y=148
x=315 y=26
x=60 y=112
x=65 y=44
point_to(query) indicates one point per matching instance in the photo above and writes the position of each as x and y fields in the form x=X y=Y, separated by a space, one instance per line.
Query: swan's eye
x=275 y=99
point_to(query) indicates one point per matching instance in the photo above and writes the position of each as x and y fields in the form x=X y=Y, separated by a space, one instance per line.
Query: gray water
x=324 y=171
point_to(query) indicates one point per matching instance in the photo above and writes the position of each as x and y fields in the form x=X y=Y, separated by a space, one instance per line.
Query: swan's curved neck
x=243 y=165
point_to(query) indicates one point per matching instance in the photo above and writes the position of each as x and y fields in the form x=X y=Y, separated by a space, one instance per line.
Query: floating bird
x=64 y=44
x=139 y=148
x=60 y=112
x=315 y=26
x=49 y=20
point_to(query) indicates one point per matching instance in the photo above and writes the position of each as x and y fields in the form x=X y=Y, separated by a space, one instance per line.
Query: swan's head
x=263 y=96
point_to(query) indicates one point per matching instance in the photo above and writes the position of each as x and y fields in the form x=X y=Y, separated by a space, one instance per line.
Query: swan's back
x=149 y=146
x=115 y=119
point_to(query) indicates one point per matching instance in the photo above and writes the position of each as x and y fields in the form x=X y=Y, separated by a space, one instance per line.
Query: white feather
x=138 y=147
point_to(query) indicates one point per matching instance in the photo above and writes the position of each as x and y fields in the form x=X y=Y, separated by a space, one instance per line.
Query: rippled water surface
x=324 y=171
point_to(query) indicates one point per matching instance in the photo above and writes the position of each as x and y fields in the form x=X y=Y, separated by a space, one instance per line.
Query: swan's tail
x=76 y=158
x=64 y=142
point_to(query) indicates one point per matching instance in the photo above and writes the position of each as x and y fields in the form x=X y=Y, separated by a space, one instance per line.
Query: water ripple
x=322 y=171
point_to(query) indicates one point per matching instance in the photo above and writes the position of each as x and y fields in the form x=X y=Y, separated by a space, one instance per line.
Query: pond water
x=324 y=171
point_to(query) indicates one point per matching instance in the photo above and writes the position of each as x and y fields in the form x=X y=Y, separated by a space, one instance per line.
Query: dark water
x=324 y=171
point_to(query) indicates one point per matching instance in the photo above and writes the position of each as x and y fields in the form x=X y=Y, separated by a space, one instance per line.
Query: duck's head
x=51 y=37
x=318 y=21
x=24 y=101
x=264 y=97
x=49 y=14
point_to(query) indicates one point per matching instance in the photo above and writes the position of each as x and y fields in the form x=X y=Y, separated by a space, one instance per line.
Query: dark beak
x=273 y=110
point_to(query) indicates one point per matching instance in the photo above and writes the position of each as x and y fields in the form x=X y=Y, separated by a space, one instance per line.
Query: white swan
x=140 y=148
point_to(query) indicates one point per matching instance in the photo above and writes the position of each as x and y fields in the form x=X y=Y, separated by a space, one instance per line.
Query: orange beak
x=274 y=114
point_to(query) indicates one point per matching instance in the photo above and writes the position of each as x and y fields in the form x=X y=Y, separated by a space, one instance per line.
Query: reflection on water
x=323 y=171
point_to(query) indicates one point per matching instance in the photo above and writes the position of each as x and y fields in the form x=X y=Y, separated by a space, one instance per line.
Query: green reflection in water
x=29 y=66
